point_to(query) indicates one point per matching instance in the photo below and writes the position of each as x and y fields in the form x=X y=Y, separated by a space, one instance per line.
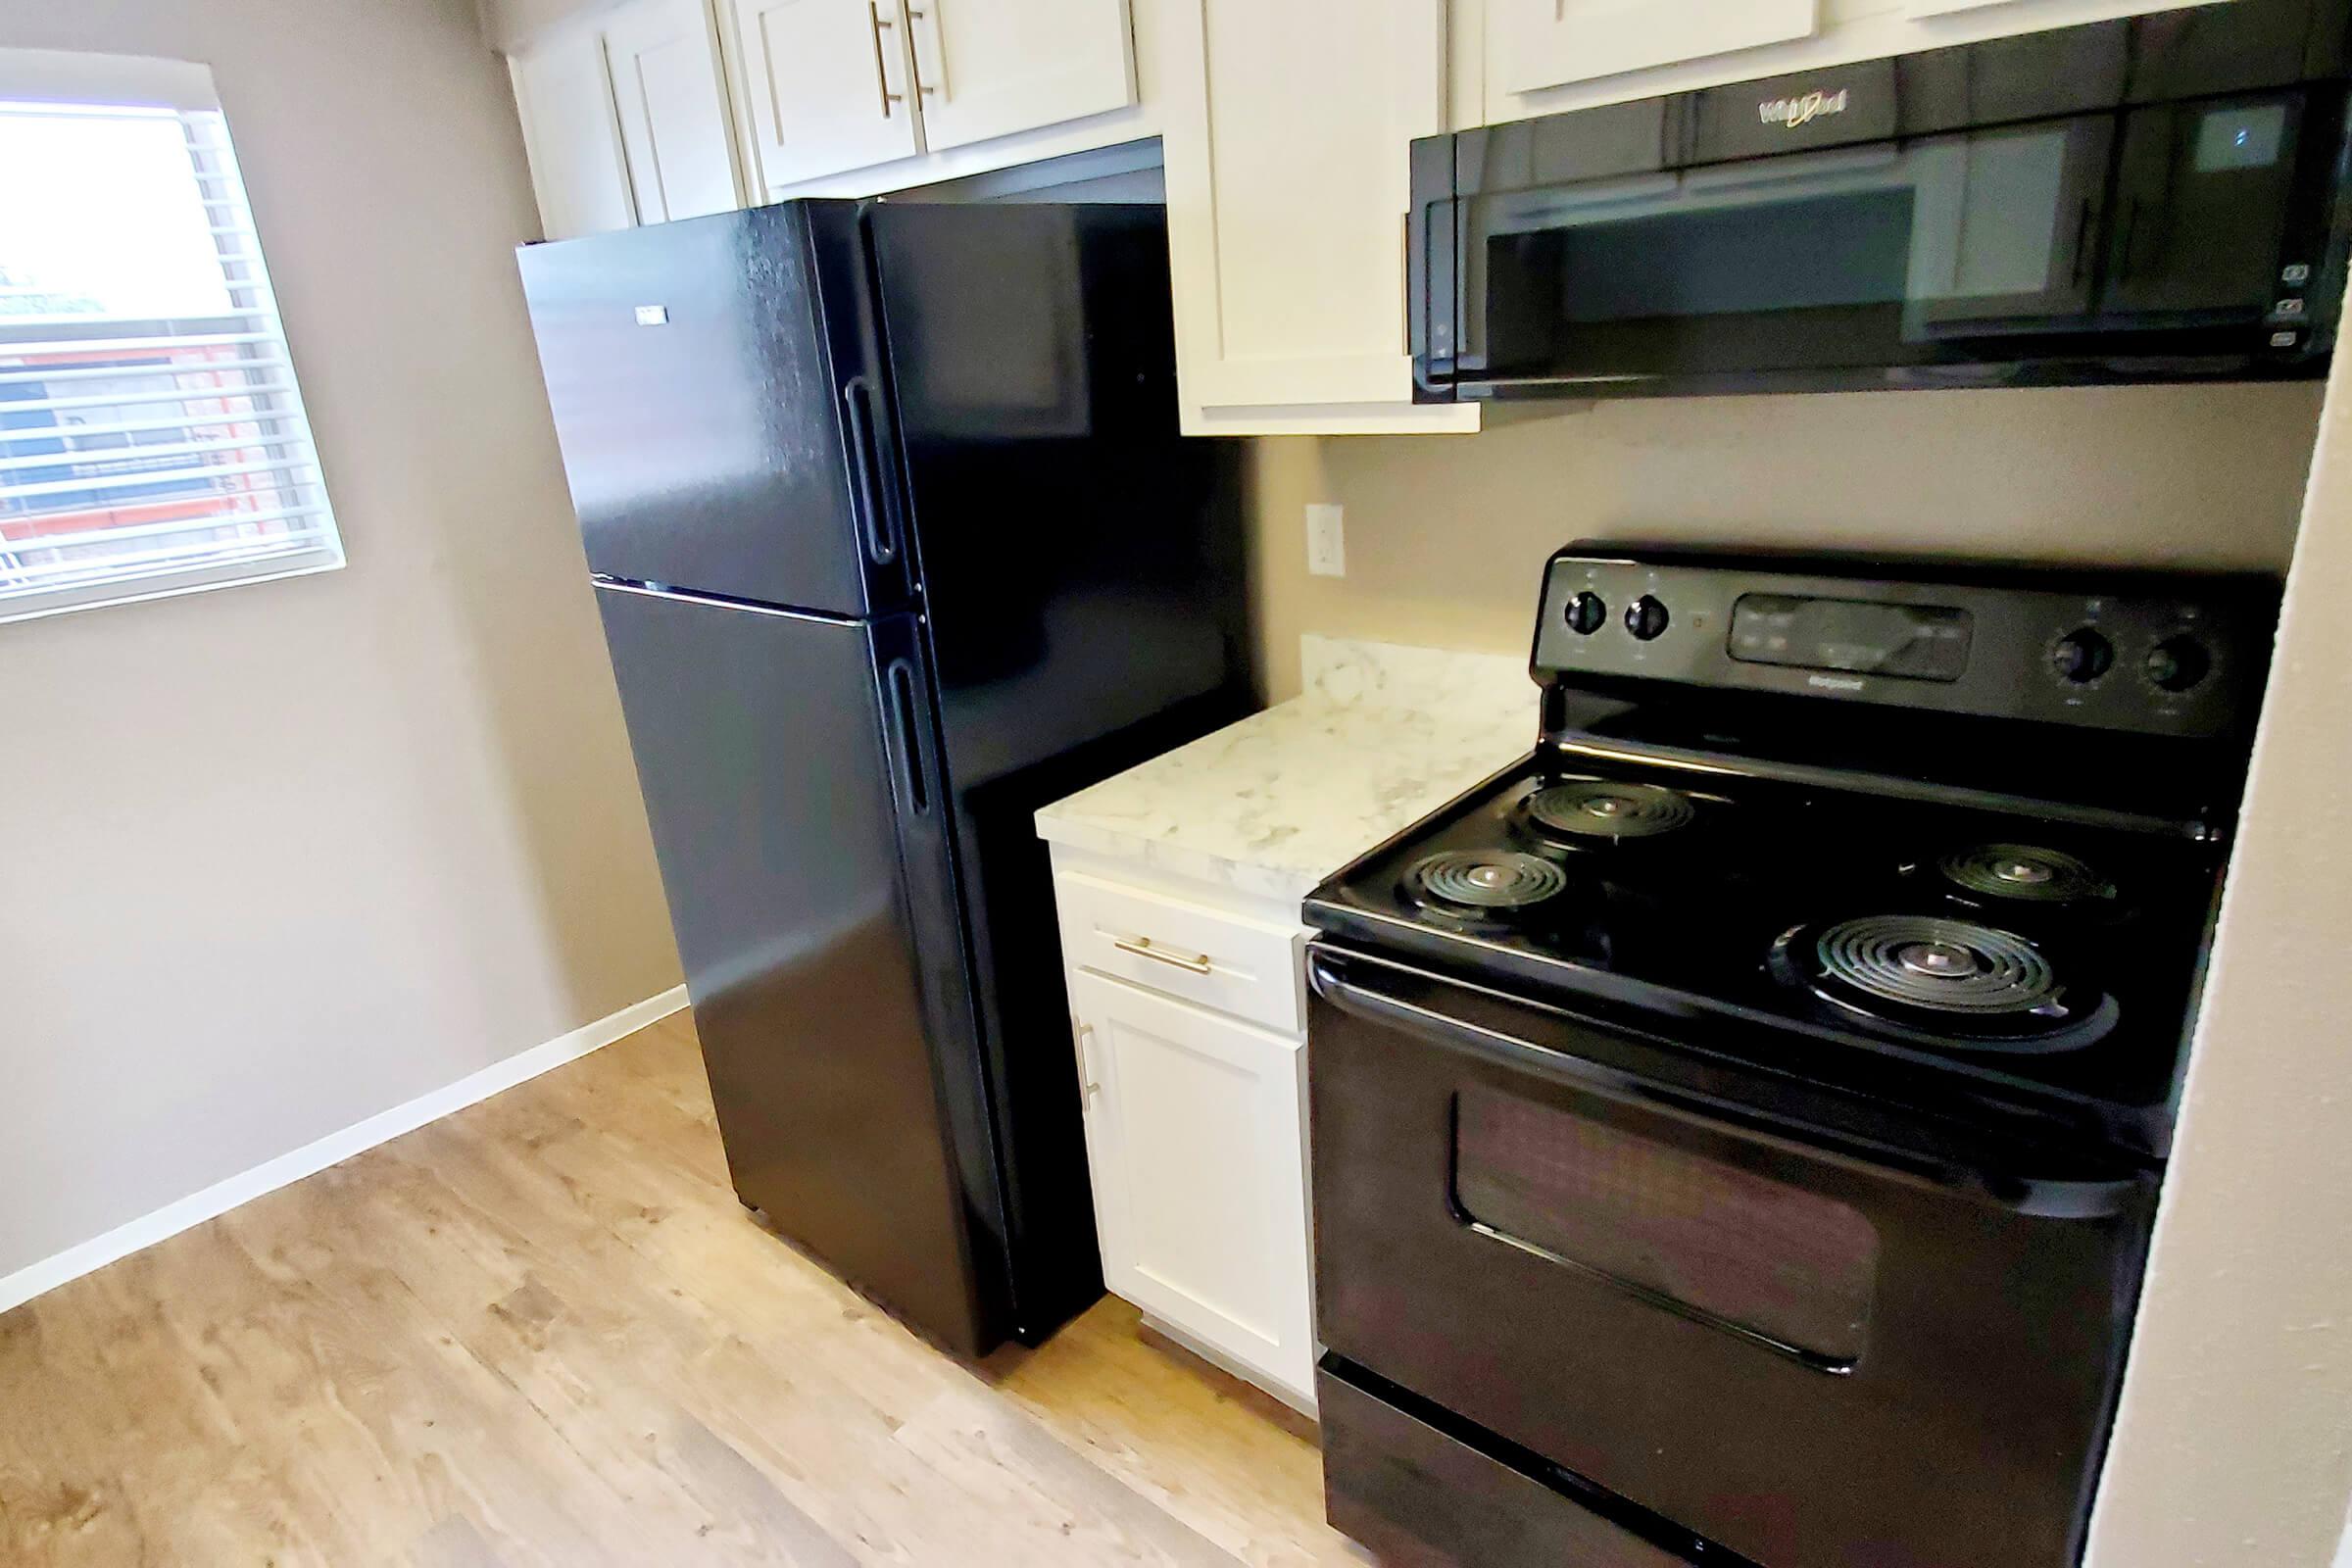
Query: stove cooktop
x=1934 y=955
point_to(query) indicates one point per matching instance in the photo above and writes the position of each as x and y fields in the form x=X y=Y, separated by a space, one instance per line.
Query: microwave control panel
x=2181 y=657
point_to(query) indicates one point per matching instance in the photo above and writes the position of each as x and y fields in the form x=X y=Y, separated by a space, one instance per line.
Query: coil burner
x=1585 y=810
x=1937 y=965
x=1488 y=880
x=2025 y=873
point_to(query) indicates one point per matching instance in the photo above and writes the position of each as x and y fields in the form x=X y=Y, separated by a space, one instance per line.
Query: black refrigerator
x=895 y=541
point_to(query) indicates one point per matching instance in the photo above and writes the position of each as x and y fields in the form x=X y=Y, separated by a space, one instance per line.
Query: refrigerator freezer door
x=776 y=758
x=1081 y=560
x=715 y=392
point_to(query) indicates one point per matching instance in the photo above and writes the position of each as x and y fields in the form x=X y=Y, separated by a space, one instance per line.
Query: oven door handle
x=2040 y=1196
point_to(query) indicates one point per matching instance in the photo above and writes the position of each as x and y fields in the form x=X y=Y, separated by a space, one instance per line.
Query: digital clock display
x=1906 y=642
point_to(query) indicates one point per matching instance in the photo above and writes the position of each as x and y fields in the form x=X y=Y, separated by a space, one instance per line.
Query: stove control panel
x=2164 y=656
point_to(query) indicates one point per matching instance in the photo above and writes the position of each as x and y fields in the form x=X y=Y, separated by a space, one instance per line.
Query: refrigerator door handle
x=881 y=543
x=900 y=681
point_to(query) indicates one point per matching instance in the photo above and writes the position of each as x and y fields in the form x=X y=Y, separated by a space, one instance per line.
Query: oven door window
x=1888 y=254
x=1791 y=1268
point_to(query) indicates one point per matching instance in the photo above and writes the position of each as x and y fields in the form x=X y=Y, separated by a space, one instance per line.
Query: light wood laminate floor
x=542 y=1332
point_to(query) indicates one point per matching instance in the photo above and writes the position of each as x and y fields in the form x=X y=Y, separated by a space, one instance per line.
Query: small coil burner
x=1596 y=809
x=2025 y=873
x=1937 y=965
x=1488 y=880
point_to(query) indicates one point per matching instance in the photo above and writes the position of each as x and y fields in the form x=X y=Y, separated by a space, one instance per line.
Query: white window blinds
x=152 y=438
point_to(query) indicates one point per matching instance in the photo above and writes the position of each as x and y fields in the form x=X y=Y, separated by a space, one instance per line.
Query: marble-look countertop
x=1381 y=736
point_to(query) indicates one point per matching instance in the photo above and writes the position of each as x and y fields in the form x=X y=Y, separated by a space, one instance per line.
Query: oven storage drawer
x=1805 y=1342
x=1417 y=1495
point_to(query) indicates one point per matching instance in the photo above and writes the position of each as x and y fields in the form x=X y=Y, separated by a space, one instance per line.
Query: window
x=152 y=438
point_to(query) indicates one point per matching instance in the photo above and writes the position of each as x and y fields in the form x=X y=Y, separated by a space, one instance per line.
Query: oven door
x=1818 y=1340
x=2152 y=243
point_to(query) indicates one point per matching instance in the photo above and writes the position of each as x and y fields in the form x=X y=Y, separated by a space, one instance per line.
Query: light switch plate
x=1326 y=541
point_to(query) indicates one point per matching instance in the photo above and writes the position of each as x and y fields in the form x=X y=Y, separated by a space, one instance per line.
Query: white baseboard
x=34 y=1278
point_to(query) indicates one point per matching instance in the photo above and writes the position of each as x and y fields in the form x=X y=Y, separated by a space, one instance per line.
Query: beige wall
x=2233 y=1446
x=282 y=857
x=1445 y=533
x=511 y=24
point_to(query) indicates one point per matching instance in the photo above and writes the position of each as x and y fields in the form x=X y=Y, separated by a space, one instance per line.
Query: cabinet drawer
x=1246 y=968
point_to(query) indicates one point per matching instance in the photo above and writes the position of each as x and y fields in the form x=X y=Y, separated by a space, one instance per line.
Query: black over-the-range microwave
x=2161 y=198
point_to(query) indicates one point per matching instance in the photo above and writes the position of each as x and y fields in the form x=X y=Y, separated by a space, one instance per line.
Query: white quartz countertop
x=1382 y=736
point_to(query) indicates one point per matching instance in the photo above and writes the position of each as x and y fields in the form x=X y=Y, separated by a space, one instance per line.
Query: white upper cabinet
x=1543 y=43
x=669 y=93
x=1519 y=58
x=2024 y=15
x=625 y=121
x=1285 y=134
x=990 y=68
x=825 y=85
x=564 y=97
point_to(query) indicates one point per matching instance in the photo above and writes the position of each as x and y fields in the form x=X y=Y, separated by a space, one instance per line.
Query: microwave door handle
x=1787 y=168
x=1532 y=212
x=1665 y=195
x=2044 y=1198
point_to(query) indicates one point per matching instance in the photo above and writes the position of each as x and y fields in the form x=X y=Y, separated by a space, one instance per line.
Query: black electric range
x=1737 y=1126
x=1968 y=961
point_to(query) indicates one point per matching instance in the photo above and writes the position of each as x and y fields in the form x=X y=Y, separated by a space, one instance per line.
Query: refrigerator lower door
x=777 y=753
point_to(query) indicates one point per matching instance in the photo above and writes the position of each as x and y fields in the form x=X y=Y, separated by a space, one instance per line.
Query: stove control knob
x=1587 y=612
x=1645 y=617
x=2081 y=657
x=2177 y=664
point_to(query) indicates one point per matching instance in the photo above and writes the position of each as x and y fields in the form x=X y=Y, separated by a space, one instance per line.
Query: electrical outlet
x=1326 y=541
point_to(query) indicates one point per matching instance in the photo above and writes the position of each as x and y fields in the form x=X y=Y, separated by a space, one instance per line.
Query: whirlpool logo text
x=1803 y=109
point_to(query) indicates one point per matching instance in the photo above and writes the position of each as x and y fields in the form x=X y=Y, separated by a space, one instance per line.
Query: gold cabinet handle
x=1142 y=948
x=939 y=45
x=873 y=11
x=1090 y=1082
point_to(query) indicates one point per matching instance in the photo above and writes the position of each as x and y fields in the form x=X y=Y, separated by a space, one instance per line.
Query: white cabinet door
x=569 y=133
x=671 y=94
x=1196 y=1142
x=1542 y=43
x=990 y=67
x=824 y=84
x=1285 y=136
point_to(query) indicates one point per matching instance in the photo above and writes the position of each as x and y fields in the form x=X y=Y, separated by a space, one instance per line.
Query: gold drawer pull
x=1142 y=948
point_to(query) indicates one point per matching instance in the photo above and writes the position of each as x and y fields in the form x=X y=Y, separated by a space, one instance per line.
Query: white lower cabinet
x=1195 y=1137
x=1196 y=1120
